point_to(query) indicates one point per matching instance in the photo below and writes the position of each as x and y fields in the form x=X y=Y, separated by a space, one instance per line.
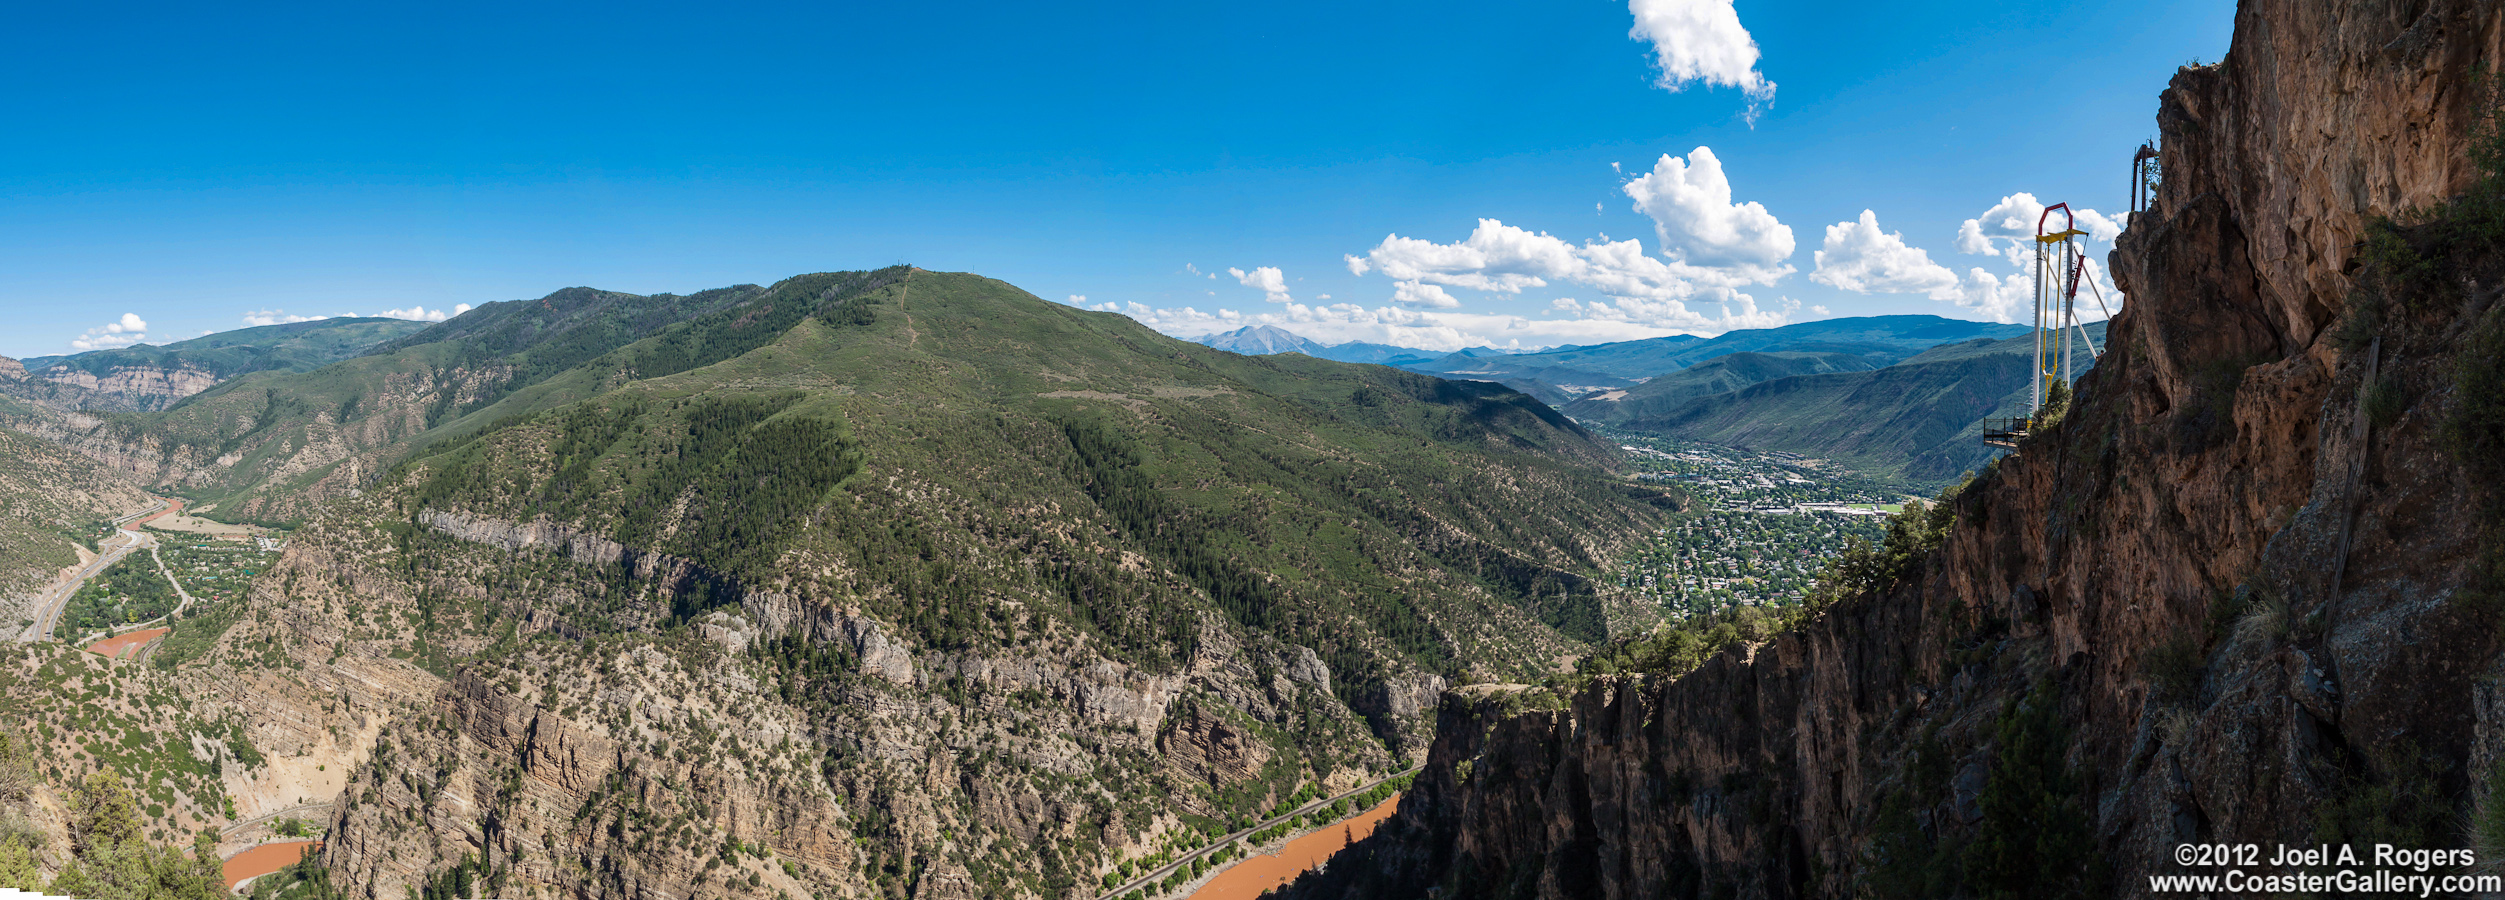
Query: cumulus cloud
x=1266 y=279
x=122 y=332
x=1411 y=293
x=1500 y=258
x=1077 y=300
x=259 y=317
x=1701 y=41
x=1861 y=257
x=422 y=314
x=1689 y=201
x=1995 y=299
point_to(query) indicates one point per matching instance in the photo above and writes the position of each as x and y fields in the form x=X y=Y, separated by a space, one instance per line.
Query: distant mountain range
x=1560 y=375
x=1920 y=419
x=1880 y=339
x=1902 y=396
x=150 y=377
x=1265 y=340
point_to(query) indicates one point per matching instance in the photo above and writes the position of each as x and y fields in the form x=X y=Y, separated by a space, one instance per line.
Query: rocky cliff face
x=261 y=451
x=133 y=387
x=2231 y=598
x=777 y=746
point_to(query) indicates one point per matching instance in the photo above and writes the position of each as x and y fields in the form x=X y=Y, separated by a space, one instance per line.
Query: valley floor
x=1766 y=526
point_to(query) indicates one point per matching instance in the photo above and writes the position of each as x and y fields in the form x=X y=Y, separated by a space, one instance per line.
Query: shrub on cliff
x=2034 y=840
x=1911 y=537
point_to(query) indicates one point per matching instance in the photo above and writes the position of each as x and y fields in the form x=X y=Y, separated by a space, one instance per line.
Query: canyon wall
x=2227 y=599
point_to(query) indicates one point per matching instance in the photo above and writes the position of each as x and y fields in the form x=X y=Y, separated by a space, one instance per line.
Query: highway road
x=53 y=599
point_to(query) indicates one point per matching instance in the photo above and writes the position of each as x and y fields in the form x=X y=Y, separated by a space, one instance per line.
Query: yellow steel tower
x=2060 y=267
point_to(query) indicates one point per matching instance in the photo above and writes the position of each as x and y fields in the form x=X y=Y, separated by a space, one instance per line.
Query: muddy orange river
x=115 y=647
x=172 y=508
x=1246 y=880
x=264 y=859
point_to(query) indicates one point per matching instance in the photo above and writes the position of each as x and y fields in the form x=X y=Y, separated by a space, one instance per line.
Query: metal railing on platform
x=2005 y=432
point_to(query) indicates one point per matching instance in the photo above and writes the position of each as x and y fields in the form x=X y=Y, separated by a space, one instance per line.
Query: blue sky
x=170 y=171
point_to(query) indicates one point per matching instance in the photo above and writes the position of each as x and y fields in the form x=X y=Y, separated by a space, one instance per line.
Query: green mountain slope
x=1720 y=375
x=1285 y=490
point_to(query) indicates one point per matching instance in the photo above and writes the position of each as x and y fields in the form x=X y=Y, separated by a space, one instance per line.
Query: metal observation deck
x=2005 y=432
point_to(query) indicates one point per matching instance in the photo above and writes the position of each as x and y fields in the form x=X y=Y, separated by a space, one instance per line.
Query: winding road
x=298 y=811
x=52 y=600
x=1161 y=872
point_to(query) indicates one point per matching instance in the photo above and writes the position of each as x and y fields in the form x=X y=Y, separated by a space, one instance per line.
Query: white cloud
x=1077 y=300
x=1689 y=201
x=1501 y=258
x=261 y=317
x=1995 y=299
x=1711 y=247
x=1859 y=256
x=1821 y=310
x=1267 y=279
x=1701 y=40
x=1496 y=257
x=1322 y=296
x=122 y=332
x=1411 y=293
x=422 y=314
x=1970 y=238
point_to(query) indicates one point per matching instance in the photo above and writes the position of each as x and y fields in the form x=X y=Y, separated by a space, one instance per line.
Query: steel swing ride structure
x=2060 y=267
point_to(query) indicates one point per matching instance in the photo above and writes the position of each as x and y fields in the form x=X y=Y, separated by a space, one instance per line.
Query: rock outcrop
x=2244 y=592
x=131 y=387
